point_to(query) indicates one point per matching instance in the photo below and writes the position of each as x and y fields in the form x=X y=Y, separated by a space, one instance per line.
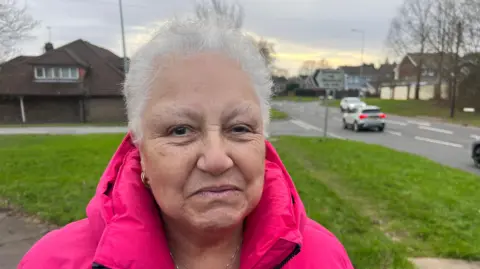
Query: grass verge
x=53 y=177
x=429 y=208
x=278 y=115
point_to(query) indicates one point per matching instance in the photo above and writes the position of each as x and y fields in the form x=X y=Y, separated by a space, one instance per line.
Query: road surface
x=445 y=143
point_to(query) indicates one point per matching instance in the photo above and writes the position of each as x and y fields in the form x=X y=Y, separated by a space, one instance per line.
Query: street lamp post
x=362 y=32
x=125 y=61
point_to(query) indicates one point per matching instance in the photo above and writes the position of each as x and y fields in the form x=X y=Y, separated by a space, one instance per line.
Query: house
x=386 y=71
x=408 y=67
x=360 y=77
x=76 y=83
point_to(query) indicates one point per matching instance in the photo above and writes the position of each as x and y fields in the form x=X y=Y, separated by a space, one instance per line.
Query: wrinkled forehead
x=203 y=79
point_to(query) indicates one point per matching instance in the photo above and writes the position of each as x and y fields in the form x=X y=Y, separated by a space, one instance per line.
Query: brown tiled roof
x=386 y=68
x=368 y=70
x=104 y=74
x=432 y=60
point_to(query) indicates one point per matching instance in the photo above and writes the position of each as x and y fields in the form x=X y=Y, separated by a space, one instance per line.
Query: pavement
x=448 y=144
x=17 y=235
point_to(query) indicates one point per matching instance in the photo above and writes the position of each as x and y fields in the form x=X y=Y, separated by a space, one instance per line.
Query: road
x=445 y=143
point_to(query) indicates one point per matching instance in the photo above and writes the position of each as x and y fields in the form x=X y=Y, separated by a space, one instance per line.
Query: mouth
x=217 y=189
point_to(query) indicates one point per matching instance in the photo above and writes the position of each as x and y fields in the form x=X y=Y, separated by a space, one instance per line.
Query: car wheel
x=345 y=125
x=381 y=129
x=356 y=128
x=476 y=159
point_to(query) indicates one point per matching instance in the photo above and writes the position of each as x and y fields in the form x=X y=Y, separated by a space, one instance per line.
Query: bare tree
x=279 y=72
x=445 y=39
x=410 y=30
x=439 y=21
x=470 y=10
x=15 y=26
x=308 y=67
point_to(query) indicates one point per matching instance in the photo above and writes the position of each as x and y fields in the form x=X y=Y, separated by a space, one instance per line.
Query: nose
x=214 y=158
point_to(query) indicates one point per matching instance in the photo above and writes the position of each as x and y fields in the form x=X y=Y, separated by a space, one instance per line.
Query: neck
x=193 y=248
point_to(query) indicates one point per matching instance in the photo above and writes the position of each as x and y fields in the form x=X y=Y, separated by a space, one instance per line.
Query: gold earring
x=144 y=180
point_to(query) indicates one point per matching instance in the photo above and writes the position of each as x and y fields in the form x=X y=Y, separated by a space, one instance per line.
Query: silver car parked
x=364 y=117
x=350 y=102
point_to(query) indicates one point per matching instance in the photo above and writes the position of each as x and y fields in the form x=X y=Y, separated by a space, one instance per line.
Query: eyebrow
x=189 y=112
x=177 y=112
x=242 y=109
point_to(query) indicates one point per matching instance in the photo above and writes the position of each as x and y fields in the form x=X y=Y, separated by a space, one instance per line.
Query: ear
x=142 y=162
x=142 y=155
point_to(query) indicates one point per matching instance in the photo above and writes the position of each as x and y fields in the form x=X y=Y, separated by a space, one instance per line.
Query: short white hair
x=214 y=27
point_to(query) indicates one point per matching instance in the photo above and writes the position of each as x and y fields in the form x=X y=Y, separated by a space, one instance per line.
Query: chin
x=218 y=219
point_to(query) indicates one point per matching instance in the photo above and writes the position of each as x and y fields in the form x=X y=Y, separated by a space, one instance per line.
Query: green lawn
x=431 y=209
x=278 y=115
x=382 y=204
x=416 y=108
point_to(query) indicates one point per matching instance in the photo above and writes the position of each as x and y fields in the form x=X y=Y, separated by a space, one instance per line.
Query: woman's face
x=203 y=147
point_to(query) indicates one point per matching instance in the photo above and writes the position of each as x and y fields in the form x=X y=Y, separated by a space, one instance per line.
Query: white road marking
x=424 y=123
x=308 y=126
x=305 y=125
x=396 y=122
x=438 y=130
x=394 y=133
x=476 y=137
x=440 y=142
x=336 y=136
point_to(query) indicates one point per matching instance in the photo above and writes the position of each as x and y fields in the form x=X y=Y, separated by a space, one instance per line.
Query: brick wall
x=62 y=110
x=10 y=111
x=52 y=109
x=103 y=110
x=407 y=71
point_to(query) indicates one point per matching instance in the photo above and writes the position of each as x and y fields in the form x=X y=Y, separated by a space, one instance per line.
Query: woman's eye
x=180 y=131
x=240 y=129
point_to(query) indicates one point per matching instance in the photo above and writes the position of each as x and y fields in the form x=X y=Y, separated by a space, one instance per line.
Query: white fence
x=401 y=92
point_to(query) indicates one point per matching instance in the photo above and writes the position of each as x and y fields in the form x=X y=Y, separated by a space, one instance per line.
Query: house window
x=50 y=73
x=39 y=72
x=57 y=74
x=74 y=72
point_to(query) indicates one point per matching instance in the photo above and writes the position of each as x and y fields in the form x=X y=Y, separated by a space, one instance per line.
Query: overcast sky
x=301 y=29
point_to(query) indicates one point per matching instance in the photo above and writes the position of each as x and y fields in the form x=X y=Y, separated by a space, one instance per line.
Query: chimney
x=48 y=47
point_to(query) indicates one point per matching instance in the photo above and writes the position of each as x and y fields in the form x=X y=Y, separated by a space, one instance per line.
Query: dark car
x=476 y=153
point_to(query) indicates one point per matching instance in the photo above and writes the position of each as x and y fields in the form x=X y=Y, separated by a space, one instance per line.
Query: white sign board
x=330 y=79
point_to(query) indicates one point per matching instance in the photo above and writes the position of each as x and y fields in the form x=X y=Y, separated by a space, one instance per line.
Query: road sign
x=329 y=79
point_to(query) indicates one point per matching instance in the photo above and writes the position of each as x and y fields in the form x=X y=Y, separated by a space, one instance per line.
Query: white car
x=350 y=102
x=363 y=118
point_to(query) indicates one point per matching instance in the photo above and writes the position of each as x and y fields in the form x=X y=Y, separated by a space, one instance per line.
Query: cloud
x=301 y=29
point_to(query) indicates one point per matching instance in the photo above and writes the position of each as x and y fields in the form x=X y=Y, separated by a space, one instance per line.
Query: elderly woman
x=195 y=184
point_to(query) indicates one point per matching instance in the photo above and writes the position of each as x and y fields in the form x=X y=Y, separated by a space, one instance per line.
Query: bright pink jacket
x=123 y=229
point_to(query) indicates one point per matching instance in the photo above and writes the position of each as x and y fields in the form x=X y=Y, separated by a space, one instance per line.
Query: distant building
x=360 y=77
x=409 y=66
x=76 y=83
